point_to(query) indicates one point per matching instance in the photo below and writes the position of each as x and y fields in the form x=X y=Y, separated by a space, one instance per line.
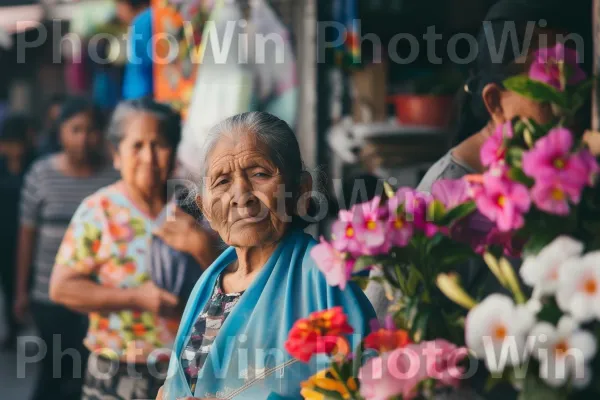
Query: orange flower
x=95 y=246
x=129 y=268
x=138 y=329
x=385 y=340
x=321 y=332
x=103 y=324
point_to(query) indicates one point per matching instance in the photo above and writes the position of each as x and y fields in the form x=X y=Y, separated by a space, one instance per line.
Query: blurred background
x=354 y=116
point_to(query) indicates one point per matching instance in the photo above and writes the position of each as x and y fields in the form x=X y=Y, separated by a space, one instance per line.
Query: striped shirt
x=48 y=201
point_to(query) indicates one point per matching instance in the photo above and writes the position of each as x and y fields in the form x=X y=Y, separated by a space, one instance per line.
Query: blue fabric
x=248 y=359
x=139 y=80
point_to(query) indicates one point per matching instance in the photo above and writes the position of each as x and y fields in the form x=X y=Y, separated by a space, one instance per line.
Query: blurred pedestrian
x=48 y=141
x=16 y=154
x=53 y=189
x=102 y=267
x=138 y=80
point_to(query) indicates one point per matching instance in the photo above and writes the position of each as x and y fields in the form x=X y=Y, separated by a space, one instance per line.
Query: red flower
x=319 y=333
x=385 y=340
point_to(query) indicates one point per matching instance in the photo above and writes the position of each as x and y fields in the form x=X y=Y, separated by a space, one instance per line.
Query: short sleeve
x=83 y=247
x=31 y=197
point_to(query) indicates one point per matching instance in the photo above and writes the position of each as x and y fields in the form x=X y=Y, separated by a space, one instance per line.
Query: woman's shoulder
x=446 y=167
x=43 y=166
x=102 y=197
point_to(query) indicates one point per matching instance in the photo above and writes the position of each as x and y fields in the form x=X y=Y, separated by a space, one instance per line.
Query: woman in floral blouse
x=102 y=267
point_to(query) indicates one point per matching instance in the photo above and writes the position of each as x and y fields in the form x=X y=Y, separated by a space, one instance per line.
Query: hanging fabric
x=239 y=73
x=348 y=53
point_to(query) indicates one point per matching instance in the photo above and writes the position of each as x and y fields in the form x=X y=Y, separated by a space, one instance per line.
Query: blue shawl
x=248 y=359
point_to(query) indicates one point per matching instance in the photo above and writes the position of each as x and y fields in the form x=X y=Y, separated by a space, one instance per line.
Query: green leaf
x=414 y=277
x=535 y=389
x=436 y=211
x=514 y=156
x=517 y=175
x=364 y=262
x=537 y=242
x=535 y=90
x=419 y=326
x=457 y=213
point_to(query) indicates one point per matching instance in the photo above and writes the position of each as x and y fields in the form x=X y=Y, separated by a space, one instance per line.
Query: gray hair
x=275 y=134
x=169 y=120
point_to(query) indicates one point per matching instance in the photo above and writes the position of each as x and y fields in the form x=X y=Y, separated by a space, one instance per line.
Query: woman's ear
x=492 y=98
x=303 y=200
x=202 y=209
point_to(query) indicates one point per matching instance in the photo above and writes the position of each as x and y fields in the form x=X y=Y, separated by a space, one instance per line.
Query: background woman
x=231 y=339
x=102 y=267
x=53 y=189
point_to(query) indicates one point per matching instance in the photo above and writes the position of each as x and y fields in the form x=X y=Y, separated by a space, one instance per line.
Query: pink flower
x=502 y=201
x=400 y=230
x=494 y=149
x=557 y=66
x=451 y=192
x=416 y=209
x=395 y=373
x=344 y=233
x=553 y=197
x=441 y=361
x=371 y=231
x=332 y=264
x=551 y=159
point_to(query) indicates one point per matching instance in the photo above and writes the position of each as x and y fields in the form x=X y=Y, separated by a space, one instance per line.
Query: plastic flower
x=494 y=149
x=563 y=352
x=344 y=233
x=542 y=271
x=395 y=373
x=495 y=323
x=333 y=264
x=551 y=160
x=371 y=230
x=317 y=334
x=579 y=287
x=557 y=67
x=502 y=201
x=400 y=230
x=312 y=389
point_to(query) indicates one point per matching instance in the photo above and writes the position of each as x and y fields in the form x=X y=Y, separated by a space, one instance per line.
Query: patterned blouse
x=205 y=331
x=107 y=240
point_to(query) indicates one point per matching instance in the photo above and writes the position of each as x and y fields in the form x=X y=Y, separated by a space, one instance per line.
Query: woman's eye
x=138 y=145
x=222 y=182
x=261 y=175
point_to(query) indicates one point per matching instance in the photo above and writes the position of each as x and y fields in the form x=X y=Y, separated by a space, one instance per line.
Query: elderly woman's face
x=244 y=193
x=144 y=156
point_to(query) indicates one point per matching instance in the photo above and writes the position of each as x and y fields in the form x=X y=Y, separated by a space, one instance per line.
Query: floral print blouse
x=108 y=240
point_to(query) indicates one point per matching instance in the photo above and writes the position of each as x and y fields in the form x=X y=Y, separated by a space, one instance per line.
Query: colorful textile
x=205 y=331
x=247 y=359
x=108 y=240
x=138 y=80
x=348 y=52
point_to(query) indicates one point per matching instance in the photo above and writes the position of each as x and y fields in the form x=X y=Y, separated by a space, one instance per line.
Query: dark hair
x=169 y=120
x=15 y=128
x=495 y=66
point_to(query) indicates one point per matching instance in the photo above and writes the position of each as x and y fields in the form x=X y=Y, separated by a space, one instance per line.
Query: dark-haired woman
x=102 y=266
x=53 y=189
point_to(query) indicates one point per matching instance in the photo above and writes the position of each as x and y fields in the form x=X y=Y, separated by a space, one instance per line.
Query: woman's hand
x=592 y=139
x=183 y=233
x=150 y=297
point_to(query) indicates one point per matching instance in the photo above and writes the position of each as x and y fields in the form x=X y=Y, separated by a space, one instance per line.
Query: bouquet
x=536 y=327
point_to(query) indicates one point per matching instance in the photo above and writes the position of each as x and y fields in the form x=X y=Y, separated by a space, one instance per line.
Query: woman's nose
x=241 y=193
x=147 y=155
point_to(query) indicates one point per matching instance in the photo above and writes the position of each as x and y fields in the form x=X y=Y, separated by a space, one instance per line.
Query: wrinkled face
x=81 y=139
x=244 y=194
x=144 y=156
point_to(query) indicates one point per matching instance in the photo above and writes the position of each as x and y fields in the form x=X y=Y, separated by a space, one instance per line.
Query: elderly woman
x=102 y=264
x=231 y=340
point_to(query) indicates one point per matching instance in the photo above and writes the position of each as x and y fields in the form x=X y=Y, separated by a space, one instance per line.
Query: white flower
x=563 y=352
x=579 y=289
x=541 y=272
x=495 y=331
